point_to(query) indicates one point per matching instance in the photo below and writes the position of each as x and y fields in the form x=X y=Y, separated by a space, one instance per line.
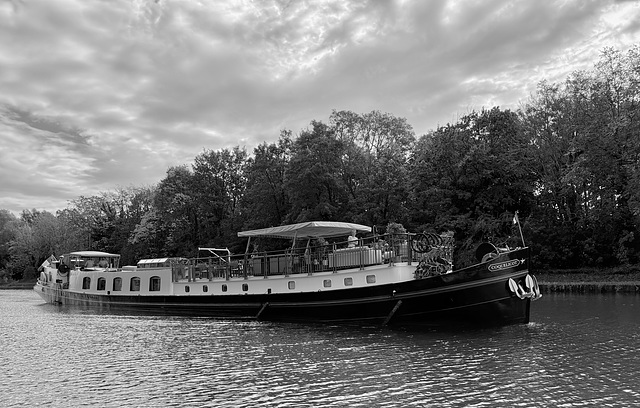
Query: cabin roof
x=310 y=229
x=94 y=254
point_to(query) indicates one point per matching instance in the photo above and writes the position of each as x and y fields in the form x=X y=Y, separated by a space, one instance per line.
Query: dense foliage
x=568 y=161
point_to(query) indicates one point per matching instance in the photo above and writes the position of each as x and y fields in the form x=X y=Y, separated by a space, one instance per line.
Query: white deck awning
x=310 y=229
x=94 y=254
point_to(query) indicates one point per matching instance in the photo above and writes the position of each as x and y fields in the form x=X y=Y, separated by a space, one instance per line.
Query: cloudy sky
x=97 y=94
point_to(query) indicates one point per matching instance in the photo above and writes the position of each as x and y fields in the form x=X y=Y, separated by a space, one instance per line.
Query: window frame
x=132 y=287
x=152 y=284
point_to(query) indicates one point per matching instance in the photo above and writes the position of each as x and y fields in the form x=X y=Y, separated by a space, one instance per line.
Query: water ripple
x=579 y=352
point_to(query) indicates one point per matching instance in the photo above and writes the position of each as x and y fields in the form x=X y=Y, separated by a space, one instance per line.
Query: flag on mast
x=47 y=262
x=516 y=221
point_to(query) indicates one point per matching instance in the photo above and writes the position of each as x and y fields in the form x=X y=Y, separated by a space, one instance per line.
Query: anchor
x=532 y=290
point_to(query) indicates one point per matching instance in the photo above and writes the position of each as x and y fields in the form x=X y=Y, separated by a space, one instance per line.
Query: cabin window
x=154 y=284
x=86 y=283
x=117 y=284
x=187 y=289
x=291 y=284
x=134 y=286
x=326 y=283
x=224 y=288
x=102 y=284
x=245 y=287
x=371 y=278
x=205 y=288
x=348 y=281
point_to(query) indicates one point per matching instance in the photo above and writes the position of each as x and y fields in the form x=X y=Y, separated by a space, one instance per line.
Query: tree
x=606 y=120
x=584 y=135
x=470 y=177
x=374 y=164
x=94 y=216
x=313 y=178
x=219 y=183
x=132 y=204
x=266 y=202
x=7 y=234
x=36 y=236
x=175 y=208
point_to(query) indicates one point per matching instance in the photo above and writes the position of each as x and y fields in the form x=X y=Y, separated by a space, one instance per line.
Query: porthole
x=86 y=283
x=102 y=284
x=291 y=285
x=187 y=289
x=371 y=278
x=245 y=287
x=326 y=283
x=205 y=288
x=348 y=281
x=224 y=288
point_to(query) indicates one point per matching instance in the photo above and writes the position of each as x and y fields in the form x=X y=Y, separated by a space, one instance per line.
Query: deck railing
x=333 y=256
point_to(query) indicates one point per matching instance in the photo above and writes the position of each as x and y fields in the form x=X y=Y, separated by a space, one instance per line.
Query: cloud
x=102 y=94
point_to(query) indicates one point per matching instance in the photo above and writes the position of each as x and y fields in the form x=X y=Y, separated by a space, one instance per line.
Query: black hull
x=477 y=295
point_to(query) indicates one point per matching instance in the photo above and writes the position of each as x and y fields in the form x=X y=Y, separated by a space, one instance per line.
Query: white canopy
x=310 y=229
x=94 y=254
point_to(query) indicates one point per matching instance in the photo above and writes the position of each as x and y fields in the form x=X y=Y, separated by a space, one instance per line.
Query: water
x=579 y=350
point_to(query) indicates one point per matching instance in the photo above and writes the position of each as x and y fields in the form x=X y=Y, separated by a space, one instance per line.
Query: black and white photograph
x=319 y=203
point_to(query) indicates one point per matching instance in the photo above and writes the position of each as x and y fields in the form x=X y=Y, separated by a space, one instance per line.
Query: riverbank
x=591 y=287
x=17 y=285
x=614 y=280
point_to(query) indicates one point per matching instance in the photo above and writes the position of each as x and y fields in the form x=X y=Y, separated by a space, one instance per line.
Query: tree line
x=568 y=161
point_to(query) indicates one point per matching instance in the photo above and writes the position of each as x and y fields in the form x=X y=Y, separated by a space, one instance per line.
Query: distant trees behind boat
x=568 y=160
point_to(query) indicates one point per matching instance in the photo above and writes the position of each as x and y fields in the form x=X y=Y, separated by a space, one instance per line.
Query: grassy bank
x=590 y=280
x=18 y=285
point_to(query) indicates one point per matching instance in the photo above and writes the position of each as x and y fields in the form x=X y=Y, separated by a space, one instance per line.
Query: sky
x=97 y=95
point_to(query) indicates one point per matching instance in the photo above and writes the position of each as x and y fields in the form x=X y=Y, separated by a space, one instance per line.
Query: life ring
x=489 y=256
x=484 y=249
x=63 y=270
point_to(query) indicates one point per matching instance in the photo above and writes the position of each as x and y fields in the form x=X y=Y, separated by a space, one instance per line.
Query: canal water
x=579 y=351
